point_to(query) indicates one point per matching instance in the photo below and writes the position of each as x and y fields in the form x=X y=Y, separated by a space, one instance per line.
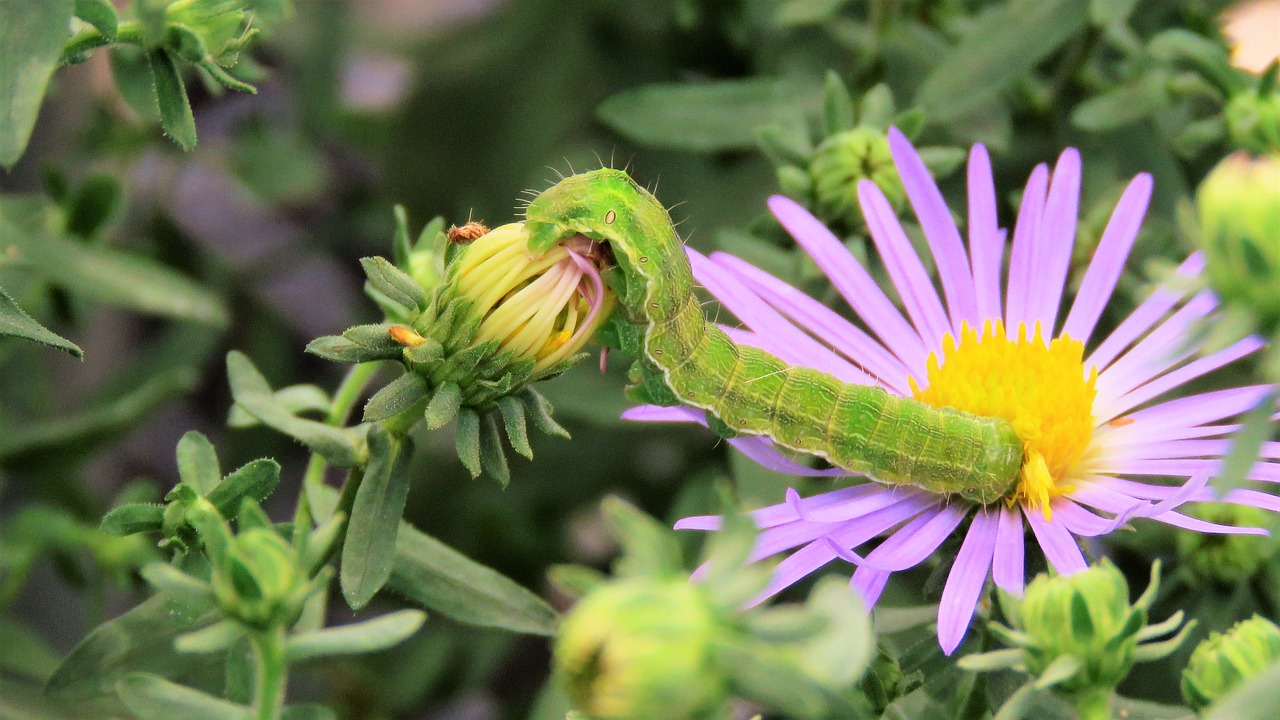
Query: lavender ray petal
x=986 y=240
x=869 y=584
x=1182 y=375
x=661 y=414
x=1193 y=410
x=1109 y=259
x=700 y=522
x=1052 y=253
x=904 y=266
x=856 y=531
x=851 y=280
x=1186 y=522
x=831 y=506
x=761 y=451
x=1144 y=316
x=967 y=577
x=1059 y=546
x=1163 y=348
x=1007 y=566
x=822 y=322
x=939 y=230
x=916 y=541
x=1026 y=233
x=1083 y=523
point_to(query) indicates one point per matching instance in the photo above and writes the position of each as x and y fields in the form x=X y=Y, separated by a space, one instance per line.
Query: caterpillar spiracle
x=683 y=358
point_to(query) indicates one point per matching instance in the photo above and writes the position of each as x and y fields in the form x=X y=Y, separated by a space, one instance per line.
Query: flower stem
x=272 y=671
x=90 y=39
x=1094 y=704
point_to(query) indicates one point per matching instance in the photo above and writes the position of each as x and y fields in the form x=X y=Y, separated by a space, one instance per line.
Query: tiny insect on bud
x=467 y=233
x=405 y=336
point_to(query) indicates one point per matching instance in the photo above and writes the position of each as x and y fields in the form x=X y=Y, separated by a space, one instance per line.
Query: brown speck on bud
x=405 y=336
x=468 y=233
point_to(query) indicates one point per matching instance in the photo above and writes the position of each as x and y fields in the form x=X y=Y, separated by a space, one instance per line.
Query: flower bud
x=1239 y=208
x=1226 y=559
x=847 y=157
x=640 y=649
x=213 y=30
x=1085 y=615
x=1224 y=661
x=259 y=581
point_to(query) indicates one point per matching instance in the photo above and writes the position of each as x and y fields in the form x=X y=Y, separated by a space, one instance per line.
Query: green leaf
x=133 y=518
x=81 y=431
x=758 y=672
x=311 y=711
x=492 y=455
x=1130 y=102
x=517 y=429
x=153 y=698
x=704 y=117
x=999 y=48
x=23 y=653
x=195 y=594
x=444 y=405
x=218 y=637
x=140 y=639
x=369 y=550
x=135 y=81
x=255 y=480
x=340 y=349
x=392 y=282
x=171 y=93
x=466 y=441
x=297 y=399
x=439 y=578
x=23 y=701
x=32 y=35
x=102 y=273
x=397 y=396
x=1104 y=13
x=95 y=202
x=16 y=323
x=99 y=13
x=648 y=547
x=362 y=637
x=198 y=462
x=253 y=394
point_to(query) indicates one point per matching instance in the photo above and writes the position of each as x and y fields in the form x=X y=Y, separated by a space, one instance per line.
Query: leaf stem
x=88 y=40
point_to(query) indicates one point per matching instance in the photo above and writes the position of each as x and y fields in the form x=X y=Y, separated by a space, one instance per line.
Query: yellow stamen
x=1040 y=387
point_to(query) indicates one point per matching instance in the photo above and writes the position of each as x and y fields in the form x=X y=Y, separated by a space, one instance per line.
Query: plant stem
x=87 y=40
x=268 y=656
x=1093 y=704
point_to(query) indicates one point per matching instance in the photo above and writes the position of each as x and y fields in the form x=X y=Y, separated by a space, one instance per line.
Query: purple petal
x=1163 y=348
x=1182 y=375
x=781 y=338
x=967 y=577
x=1187 y=522
x=1109 y=259
x=1144 y=316
x=700 y=522
x=851 y=280
x=1083 y=523
x=1022 y=258
x=986 y=240
x=1007 y=568
x=939 y=230
x=1052 y=251
x=660 y=414
x=1096 y=493
x=832 y=506
x=1193 y=410
x=823 y=322
x=1059 y=546
x=916 y=541
x=855 y=531
x=762 y=452
x=904 y=266
x=869 y=584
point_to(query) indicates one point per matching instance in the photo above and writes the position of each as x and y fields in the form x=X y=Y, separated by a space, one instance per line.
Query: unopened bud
x=847 y=157
x=1224 y=661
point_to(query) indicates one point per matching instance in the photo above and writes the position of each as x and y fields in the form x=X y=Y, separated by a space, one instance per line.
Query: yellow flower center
x=1041 y=388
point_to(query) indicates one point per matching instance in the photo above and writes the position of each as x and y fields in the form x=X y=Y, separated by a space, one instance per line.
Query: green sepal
x=492 y=455
x=340 y=349
x=376 y=336
x=538 y=408
x=185 y=43
x=428 y=352
x=396 y=397
x=467 y=441
x=255 y=480
x=444 y=405
x=517 y=428
x=393 y=283
x=837 y=104
x=133 y=518
x=252 y=516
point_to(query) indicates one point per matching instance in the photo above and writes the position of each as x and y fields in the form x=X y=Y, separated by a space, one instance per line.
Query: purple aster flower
x=1096 y=427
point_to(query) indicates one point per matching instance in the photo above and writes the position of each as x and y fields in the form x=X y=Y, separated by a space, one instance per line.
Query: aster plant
x=1097 y=426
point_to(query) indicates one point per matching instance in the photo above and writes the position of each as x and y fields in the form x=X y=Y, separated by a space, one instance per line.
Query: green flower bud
x=1239 y=208
x=847 y=157
x=1226 y=559
x=1224 y=661
x=208 y=29
x=1253 y=121
x=1085 y=615
x=259 y=581
x=641 y=649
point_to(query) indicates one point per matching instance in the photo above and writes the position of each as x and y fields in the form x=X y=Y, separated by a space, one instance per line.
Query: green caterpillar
x=684 y=359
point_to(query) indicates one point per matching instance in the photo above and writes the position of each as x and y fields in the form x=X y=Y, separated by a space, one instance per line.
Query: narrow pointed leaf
x=254 y=480
x=369 y=550
x=133 y=518
x=297 y=399
x=340 y=349
x=16 y=323
x=397 y=396
x=99 y=13
x=215 y=638
x=648 y=547
x=1063 y=668
x=539 y=410
x=198 y=462
x=178 y=585
x=441 y=579
x=151 y=697
x=368 y=636
x=492 y=455
x=444 y=405
x=392 y=282
x=175 y=107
